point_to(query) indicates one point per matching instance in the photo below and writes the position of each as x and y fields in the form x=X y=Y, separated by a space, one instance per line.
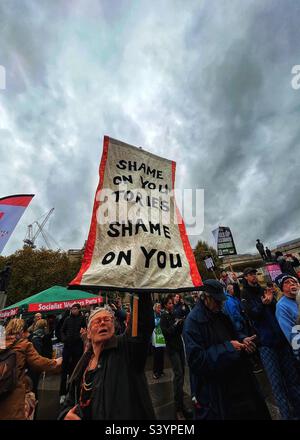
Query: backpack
x=8 y=371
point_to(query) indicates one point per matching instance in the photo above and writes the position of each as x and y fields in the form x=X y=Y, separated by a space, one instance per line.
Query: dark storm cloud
x=205 y=83
x=248 y=81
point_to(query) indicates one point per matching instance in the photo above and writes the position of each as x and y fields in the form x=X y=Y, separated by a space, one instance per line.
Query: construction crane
x=33 y=234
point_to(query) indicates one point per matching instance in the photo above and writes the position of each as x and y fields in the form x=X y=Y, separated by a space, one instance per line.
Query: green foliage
x=201 y=251
x=34 y=270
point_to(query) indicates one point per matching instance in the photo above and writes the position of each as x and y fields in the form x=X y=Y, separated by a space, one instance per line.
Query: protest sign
x=137 y=239
x=224 y=241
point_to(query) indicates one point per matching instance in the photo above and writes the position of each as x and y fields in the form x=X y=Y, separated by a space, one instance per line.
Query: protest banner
x=60 y=305
x=137 y=239
x=209 y=263
x=8 y=313
x=273 y=270
x=224 y=241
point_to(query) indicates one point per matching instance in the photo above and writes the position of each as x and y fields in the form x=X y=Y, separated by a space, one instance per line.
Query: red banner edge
x=195 y=275
x=17 y=200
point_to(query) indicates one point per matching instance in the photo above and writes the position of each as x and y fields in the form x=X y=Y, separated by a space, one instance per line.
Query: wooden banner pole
x=135 y=314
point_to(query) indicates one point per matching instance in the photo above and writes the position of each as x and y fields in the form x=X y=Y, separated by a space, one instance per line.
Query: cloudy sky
x=206 y=83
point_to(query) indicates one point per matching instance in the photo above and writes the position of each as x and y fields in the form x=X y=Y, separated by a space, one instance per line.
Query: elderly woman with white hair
x=109 y=382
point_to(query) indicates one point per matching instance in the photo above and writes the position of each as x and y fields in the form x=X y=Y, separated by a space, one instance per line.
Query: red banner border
x=17 y=200
x=195 y=275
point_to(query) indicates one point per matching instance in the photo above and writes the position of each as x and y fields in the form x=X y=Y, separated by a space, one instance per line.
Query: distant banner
x=11 y=210
x=8 y=313
x=224 y=241
x=137 y=239
x=60 y=305
x=209 y=263
x=274 y=270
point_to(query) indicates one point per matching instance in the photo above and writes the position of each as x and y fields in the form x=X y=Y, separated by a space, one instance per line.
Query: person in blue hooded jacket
x=226 y=388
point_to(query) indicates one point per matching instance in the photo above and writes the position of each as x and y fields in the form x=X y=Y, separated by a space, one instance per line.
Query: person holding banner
x=120 y=316
x=109 y=382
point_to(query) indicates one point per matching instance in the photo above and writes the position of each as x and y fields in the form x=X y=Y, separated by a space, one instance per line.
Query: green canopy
x=55 y=293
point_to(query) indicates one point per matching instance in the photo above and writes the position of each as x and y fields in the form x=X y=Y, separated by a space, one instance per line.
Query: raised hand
x=71 y=415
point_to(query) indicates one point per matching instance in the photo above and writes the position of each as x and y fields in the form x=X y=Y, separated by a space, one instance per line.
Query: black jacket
x=171 y=331
x=59 y=325
x=4 y=278
x=288 y=266
x=70 y=331
x=263 y=317
x=120 y=390
x=181 y=310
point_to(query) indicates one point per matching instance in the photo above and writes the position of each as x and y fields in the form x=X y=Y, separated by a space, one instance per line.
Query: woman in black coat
x=109 y=382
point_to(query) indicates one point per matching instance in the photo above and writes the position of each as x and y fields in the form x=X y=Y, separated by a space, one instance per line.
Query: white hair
x=97 y=310
x=156 y=305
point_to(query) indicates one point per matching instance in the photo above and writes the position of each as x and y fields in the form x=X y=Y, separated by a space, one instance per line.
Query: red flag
x=11 y=210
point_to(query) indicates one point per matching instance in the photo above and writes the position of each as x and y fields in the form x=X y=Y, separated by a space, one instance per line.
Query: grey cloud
x=207 y=84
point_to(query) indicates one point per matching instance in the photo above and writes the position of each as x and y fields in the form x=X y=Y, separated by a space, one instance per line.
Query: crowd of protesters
x=17 y=399
x=223 y=335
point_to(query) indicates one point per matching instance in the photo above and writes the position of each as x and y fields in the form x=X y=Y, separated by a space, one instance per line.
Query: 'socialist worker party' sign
x=137 y=239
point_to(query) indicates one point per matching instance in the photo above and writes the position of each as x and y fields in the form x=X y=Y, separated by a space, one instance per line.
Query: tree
x=201 y=251
x=34 y=270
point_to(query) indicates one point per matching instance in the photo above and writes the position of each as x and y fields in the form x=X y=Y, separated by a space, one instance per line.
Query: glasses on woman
x=98 y=321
